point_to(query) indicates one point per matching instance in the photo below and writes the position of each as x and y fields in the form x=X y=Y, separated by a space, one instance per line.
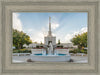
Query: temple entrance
x=49 y=42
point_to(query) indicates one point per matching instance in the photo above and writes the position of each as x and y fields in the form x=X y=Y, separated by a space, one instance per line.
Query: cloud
x=54 y=22
x=17 y=24
x=45 y=31
x=37 y=35
x=68 y=37
x=54 y=25
x=83 y=30
x=29 y=30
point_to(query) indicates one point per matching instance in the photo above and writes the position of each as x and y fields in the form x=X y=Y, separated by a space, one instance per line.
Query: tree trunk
x=21 y=45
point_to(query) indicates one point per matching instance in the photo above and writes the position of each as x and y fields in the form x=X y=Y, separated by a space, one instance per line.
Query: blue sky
x=64 y=25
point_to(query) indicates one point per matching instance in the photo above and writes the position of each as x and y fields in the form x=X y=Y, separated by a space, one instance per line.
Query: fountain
x=51 y=56
x=49 y=53
x=50 y=49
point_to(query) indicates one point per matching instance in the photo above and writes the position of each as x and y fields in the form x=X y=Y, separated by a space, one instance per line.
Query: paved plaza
x=23 y=59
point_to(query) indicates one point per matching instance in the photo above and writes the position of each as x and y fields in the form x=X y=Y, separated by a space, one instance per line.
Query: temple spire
x=49 y=33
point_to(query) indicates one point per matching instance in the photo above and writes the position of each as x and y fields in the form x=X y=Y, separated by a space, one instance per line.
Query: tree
x=59 y=41
x=20 y=38
x=80 y=40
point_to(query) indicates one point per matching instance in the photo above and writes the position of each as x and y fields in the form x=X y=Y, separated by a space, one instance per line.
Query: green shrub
x=82 y=51
x=37 y=46
x=21 y=51
x=78 y=51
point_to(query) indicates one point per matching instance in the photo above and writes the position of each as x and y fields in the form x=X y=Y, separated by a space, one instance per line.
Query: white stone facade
x=49 y=39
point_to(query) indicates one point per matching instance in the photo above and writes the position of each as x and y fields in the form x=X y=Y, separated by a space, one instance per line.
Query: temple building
x=50 y=39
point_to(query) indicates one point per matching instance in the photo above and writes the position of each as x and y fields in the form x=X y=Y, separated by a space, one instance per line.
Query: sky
x=63 y=25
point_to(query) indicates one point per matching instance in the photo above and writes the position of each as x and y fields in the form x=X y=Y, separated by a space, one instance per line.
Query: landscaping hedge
x=21 y=51
x=78 y=51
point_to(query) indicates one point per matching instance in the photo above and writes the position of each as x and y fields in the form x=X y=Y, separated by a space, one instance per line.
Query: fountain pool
x=51 y=56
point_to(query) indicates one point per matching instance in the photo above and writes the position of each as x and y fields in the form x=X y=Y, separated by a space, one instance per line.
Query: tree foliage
x=20 y=38
x=59 y=41
x=80 y=40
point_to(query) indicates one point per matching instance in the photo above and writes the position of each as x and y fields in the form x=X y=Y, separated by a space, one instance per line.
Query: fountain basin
x=50 y=58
